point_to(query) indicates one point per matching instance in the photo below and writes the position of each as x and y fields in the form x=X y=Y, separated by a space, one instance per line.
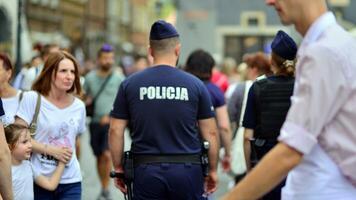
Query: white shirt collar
x=317 y=28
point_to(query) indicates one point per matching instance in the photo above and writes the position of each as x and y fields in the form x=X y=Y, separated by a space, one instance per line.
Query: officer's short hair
x=164 y=46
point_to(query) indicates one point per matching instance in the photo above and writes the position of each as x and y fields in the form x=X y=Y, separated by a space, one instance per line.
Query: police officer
x=268 y=103
x=169 y=113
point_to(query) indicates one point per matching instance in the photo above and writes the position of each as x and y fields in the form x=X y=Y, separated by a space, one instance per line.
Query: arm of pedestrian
x=105 y=120
x=248 y=135
x=209 y=133
x=270 y=171
x=223 y=123
x=5 y=166
x=51 y=183
x=116 y=146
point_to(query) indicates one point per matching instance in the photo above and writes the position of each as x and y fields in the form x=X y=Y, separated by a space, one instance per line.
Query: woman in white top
x=61 y=118
x=9 y=95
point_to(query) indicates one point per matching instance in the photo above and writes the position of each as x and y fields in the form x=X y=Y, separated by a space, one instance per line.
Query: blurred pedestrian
x=169 y=113
x=9 y=95
x=100 y=88
x=61 y=118
x=27 y=76
x=140 y=63
x=257 y=65
x=267 y=105
x=317 y=146
x=5 y=162
x=200 y=63
x=219 y=79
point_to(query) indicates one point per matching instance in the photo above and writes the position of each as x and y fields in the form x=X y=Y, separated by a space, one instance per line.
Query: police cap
x=284 y=46
x=162 y=30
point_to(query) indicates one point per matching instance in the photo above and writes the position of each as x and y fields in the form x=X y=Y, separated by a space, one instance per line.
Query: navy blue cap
x=162 y=30
x=284 y=46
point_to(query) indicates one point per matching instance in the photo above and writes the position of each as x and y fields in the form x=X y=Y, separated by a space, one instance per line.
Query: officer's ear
x=177 y=50
x=150 y=51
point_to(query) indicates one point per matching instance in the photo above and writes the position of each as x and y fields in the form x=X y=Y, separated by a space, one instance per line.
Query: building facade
x=8 y=14
x=231 y=28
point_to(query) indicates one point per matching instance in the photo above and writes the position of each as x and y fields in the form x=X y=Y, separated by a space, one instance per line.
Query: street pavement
x=91 y=184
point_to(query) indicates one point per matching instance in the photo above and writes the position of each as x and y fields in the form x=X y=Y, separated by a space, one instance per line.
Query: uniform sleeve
x=205 y=107
x=320 y=91
x=120 y=106
x=249 y=120
x=27 y=106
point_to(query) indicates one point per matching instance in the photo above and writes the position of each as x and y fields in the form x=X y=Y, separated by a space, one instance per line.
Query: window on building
x=236 y=46
x=253 y=21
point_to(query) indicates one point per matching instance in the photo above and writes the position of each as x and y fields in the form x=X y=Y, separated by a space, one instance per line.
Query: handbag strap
x=244 y=101
x=102 y=86
x=33 y=125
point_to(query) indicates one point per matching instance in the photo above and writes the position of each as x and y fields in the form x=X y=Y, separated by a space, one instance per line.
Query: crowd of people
x=283 y=129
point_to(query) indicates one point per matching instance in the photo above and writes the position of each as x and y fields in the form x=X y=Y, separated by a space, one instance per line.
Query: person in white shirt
x=9 y=95
x=61 y=119
x=317 y=147
x=23 y=174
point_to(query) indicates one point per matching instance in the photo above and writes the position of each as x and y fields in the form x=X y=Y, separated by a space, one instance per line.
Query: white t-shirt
x=317 y=177
x=10 y=107
x=23 y=176
x=57 y=127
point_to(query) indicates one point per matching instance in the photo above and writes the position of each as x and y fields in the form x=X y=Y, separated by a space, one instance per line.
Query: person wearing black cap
x=268 y=103
x=169 y=113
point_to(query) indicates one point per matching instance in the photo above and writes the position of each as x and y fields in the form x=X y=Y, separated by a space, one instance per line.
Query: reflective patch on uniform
x=170 y=93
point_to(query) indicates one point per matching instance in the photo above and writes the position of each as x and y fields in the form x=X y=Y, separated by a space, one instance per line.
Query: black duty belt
x=173 y=158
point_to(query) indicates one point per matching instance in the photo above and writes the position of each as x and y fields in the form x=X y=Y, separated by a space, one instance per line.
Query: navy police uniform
x=216 y=95
x=162 y=105
x=267 y=105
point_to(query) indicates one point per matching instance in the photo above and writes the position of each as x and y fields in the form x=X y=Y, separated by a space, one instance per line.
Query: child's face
x=23 y=147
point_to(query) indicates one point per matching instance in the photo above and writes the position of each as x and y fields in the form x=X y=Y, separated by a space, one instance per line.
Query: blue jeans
x=167 y=181
x=71 y=191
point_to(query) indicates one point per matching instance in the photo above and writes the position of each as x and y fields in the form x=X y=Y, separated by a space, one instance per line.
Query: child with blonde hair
x=23 y=174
